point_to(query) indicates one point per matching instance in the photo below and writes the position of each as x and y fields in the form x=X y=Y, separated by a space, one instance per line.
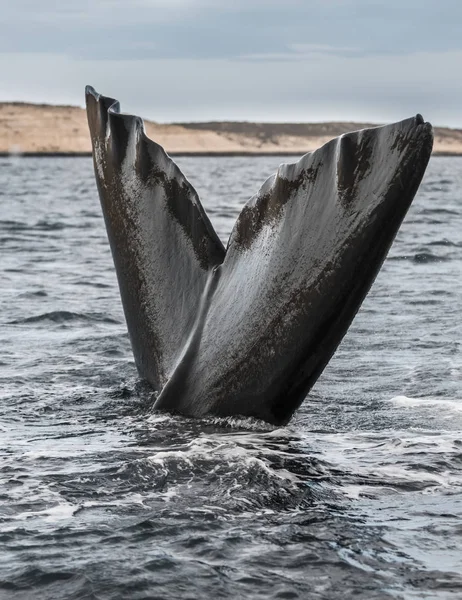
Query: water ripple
x=101 y=497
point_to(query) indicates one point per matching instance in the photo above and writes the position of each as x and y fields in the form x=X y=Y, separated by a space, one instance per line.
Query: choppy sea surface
x=360 y=497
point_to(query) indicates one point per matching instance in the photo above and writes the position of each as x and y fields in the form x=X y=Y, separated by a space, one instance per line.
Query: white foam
x=129 y=500
x=156 y=418
x=58 y=512
x=407 y=402
x=244 y=450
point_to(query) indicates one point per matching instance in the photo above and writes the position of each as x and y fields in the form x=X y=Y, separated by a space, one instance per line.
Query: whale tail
x=248 y=330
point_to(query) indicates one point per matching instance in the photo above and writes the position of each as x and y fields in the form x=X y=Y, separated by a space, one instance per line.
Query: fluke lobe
x=247 y=330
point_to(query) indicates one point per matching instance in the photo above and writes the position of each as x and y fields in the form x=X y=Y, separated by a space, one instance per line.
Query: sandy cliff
x=45 y=129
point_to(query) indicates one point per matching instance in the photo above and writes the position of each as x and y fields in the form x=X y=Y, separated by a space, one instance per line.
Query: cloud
x=248 y=59
x=363 y=88
x=116 y=29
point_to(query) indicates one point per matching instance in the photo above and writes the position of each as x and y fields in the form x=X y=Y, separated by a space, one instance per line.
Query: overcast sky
x=267 y=60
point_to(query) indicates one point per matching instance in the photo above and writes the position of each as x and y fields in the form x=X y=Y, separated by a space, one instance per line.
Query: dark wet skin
x=248 y=331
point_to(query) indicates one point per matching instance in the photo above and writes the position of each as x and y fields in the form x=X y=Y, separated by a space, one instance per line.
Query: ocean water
x=360 y=497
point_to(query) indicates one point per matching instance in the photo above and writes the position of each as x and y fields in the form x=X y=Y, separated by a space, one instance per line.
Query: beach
x=43 y=129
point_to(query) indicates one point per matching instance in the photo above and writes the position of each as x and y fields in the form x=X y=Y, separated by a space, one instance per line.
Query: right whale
x=247 y=330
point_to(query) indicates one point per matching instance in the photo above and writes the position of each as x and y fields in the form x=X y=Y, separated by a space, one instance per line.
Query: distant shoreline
x=40 y=130
x=185 y=154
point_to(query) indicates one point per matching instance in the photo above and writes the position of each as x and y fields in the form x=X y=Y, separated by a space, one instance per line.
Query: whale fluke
x=248 y=330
